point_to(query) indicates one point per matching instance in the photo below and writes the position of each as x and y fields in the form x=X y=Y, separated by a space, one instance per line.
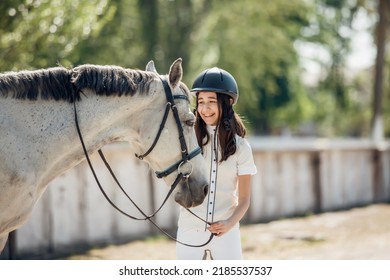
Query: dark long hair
x=230 y=124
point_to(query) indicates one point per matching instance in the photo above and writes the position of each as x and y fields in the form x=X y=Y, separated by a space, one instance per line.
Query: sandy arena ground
x=356 y=234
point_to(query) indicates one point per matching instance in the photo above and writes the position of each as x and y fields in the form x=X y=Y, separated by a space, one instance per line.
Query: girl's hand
x=220 y=228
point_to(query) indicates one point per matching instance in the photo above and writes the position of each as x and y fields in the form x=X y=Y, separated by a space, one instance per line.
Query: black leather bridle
x=186 y=157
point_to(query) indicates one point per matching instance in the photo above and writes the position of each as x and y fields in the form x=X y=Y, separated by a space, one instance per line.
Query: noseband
x=185 y=159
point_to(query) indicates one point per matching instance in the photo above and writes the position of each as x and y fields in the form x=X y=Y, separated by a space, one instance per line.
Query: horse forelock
x=59 y=83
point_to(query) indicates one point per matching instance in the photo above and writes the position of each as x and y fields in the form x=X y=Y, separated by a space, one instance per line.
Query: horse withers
x=39 y=140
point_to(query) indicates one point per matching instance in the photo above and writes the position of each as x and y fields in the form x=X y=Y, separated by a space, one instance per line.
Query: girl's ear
x=231 y=101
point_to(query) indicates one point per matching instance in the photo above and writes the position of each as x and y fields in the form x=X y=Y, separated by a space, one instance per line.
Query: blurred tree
x=257 y=41
x=254 y=40
x=41 y=33
x=150 y=30
x=174 y=25
x=143 y=30
x=377 y=131
x=119 y=41
x=334 y=21
x=385 y=94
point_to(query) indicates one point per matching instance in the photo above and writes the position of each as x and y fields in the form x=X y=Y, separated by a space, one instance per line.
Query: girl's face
x=208 y=108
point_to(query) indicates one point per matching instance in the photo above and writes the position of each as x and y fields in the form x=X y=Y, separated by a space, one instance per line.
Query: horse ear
x=150 y=67
x=175 y=73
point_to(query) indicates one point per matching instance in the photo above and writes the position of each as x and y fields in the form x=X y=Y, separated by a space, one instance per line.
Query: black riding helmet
x=217 y=80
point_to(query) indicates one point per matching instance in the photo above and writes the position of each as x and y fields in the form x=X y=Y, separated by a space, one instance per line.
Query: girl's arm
x=244 y=195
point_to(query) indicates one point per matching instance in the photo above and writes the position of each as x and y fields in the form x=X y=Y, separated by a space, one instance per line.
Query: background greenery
x=256 y=40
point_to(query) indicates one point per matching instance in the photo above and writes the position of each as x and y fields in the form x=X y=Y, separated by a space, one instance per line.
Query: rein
x=186 y=157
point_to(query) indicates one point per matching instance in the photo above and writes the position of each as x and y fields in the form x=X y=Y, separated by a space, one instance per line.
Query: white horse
x=39 y=140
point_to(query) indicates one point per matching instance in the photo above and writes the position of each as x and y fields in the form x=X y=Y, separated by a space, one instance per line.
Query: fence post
x=316 y=171
x=152 y=198
x=377 y=169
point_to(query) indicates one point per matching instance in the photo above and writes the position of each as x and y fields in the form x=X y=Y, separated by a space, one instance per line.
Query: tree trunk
x=150 y=34
x=377 y=122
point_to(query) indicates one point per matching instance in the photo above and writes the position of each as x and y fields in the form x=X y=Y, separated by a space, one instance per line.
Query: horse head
x=171 y=149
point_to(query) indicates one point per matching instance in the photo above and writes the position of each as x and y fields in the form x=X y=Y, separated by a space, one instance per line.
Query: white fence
x=296 y=177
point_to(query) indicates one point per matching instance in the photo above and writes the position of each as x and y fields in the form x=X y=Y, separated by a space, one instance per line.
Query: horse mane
x=60 y=83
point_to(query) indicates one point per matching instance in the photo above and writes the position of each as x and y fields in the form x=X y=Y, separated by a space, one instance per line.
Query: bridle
x=185 y=159
x=185 y=156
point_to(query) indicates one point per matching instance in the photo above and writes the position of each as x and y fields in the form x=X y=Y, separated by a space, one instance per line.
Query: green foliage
x=343 y=114
x=254 y=40
x=119 y=41
x=41 y=33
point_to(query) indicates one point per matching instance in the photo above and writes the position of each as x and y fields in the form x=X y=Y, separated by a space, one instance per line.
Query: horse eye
x=190 y=122
x=189 y=119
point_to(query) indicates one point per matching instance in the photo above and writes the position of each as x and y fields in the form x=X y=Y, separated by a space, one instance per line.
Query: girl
x=220 y=133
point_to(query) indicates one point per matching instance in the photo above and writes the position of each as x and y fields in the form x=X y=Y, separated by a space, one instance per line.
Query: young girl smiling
x=220 y=133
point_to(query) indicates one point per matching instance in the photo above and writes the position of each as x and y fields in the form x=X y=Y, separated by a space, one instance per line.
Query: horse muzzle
x=191 y=195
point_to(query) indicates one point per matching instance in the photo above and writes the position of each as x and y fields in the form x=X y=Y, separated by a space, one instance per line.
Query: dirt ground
x=356 y=234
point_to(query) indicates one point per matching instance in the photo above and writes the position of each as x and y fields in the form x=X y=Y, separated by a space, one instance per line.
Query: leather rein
x=186 y=157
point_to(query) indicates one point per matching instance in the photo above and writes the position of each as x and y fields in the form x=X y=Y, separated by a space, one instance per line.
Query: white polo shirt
x=222 y=197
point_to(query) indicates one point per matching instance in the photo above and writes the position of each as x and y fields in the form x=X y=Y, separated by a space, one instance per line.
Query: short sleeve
x=245 y=162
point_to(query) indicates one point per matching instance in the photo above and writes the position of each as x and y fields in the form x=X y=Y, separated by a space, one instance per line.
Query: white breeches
x=225 y=247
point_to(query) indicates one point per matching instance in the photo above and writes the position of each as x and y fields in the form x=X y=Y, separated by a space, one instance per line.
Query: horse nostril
x=205 y=189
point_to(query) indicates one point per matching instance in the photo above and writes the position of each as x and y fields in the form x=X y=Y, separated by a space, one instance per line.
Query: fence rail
x=296 y=177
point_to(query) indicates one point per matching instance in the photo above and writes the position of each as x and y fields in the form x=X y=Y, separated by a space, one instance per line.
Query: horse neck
x=103 y=120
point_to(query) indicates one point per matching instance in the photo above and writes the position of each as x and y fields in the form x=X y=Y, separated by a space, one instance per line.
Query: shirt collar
x=211 y=129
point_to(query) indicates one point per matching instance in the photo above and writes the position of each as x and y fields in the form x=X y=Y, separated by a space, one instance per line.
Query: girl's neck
x=211 y=128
